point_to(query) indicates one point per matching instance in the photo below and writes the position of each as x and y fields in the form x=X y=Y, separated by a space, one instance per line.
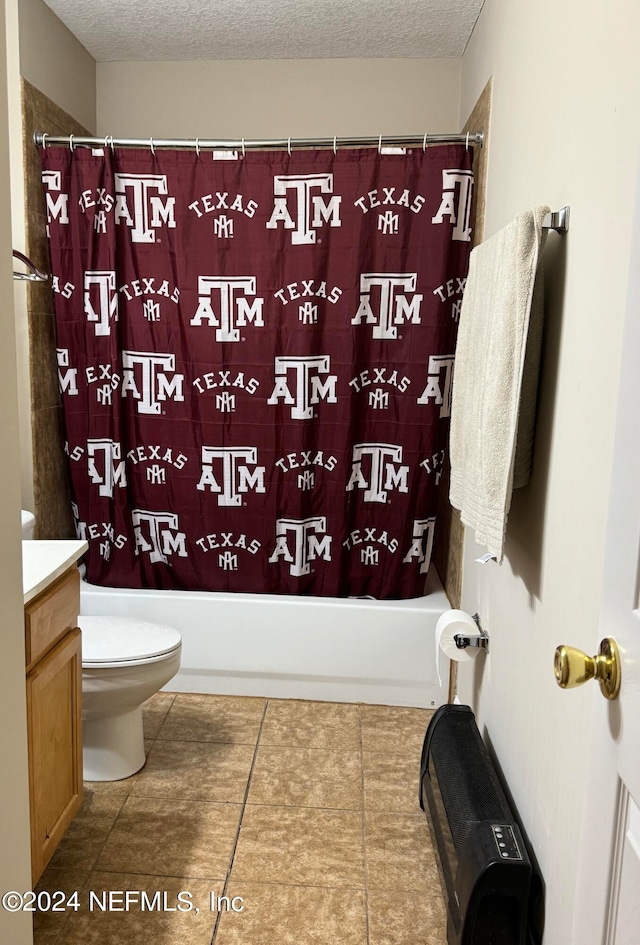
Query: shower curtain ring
x=467 y=142
x=44 y=141
x=424 y=143
x=380 y=145
x=289 y=146
x=153 y=150
x=71 y=147
x=111 y=145
x=244 y=153
x=198 y=147
x=335 y=144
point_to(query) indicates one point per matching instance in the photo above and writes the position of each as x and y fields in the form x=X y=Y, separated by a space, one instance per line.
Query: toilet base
x=113 y=746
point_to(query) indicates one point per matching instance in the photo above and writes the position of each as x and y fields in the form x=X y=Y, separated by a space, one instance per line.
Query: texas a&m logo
x=457 y=191
x=101 y=300
x=298 y=542
x=234 y=310
x=67 y=376
x=393 y=307
x=438 y=386
x=57 y=206
x=377 y=469
x=143 y=203
x=310 y=209
x=422 y=543
x=158 y=535
x=105 y=467
x=145 y=376
x=235 y=478
x=307 y=384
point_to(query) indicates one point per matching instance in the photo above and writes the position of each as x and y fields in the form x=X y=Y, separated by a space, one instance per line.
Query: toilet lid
x=122 y=639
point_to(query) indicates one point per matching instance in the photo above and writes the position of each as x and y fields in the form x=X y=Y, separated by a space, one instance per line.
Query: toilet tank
x=28 y=525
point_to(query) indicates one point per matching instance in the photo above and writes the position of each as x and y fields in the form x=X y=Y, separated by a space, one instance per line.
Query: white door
x=607 y=908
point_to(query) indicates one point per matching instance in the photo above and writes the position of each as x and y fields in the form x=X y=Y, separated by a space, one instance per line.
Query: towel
x=496 y=376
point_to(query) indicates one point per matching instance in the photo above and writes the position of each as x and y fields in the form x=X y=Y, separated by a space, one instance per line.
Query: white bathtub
x=379 y=652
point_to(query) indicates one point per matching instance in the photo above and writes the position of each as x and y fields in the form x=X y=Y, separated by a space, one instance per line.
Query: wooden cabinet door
x=54 y=712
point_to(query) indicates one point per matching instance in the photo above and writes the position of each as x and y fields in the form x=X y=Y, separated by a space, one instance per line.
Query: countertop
x=44 y=561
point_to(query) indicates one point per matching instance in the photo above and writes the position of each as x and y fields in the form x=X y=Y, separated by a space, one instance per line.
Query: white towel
x=496 y=376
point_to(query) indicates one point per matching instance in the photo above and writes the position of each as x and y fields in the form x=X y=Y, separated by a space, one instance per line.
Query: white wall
x=15 y=869
x=564 y=130
x=53 y=60
x=278 y=98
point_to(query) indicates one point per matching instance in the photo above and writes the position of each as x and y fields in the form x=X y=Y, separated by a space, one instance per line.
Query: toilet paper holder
x=462 y=641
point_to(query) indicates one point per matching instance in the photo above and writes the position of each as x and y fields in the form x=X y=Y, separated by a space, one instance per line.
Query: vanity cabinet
x=54 y=714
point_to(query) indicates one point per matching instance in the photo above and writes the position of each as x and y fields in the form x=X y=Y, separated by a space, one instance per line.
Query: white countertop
x=44 y=561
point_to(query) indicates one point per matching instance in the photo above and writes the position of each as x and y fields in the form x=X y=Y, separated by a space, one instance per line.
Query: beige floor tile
x=154 y=712
x=53 y=912
x=329 y=725
x=391 y=782
x=399 y=853
x=202 y=718
x=88 y=831
x=394 y=729
x=300 y=846
x=402 y=917
x=294 y=915
x=121 y=923
x=172 y=837
x=306 y=777
x=206 y=771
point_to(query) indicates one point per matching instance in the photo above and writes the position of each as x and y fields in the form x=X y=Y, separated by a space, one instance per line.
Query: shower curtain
x=255 y=354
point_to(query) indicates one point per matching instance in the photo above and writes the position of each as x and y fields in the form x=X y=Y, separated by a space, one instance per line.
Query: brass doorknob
x=572 y=667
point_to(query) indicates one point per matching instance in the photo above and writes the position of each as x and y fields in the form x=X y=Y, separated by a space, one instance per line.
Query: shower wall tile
x=52 y=503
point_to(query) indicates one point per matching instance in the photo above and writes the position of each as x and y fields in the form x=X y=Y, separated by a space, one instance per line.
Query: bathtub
x=338 y=650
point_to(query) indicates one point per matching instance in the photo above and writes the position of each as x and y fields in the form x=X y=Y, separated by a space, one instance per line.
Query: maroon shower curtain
x=255 y=356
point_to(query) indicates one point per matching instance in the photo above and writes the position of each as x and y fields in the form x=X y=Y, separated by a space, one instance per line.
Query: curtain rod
x=242 y=144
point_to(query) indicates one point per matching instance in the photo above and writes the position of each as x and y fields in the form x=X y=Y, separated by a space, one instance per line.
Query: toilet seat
x=125 y=641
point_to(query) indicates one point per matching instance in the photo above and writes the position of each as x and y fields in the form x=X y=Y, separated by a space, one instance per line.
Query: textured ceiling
x=269 y=29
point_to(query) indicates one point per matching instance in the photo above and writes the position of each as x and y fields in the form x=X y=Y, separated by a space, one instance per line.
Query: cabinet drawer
x=48 y=617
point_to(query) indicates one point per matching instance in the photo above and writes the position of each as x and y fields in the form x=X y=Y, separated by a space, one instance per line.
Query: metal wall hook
x=558 y=220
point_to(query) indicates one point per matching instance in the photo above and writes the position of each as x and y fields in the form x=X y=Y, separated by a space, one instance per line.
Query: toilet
x=125 y=661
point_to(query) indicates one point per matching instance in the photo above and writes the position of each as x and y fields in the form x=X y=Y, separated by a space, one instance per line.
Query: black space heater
x=484 y=863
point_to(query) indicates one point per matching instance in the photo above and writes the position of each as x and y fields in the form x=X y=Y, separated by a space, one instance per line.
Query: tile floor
x=302 y=814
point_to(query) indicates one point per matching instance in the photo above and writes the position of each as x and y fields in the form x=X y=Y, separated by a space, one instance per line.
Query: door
x=607 y=907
